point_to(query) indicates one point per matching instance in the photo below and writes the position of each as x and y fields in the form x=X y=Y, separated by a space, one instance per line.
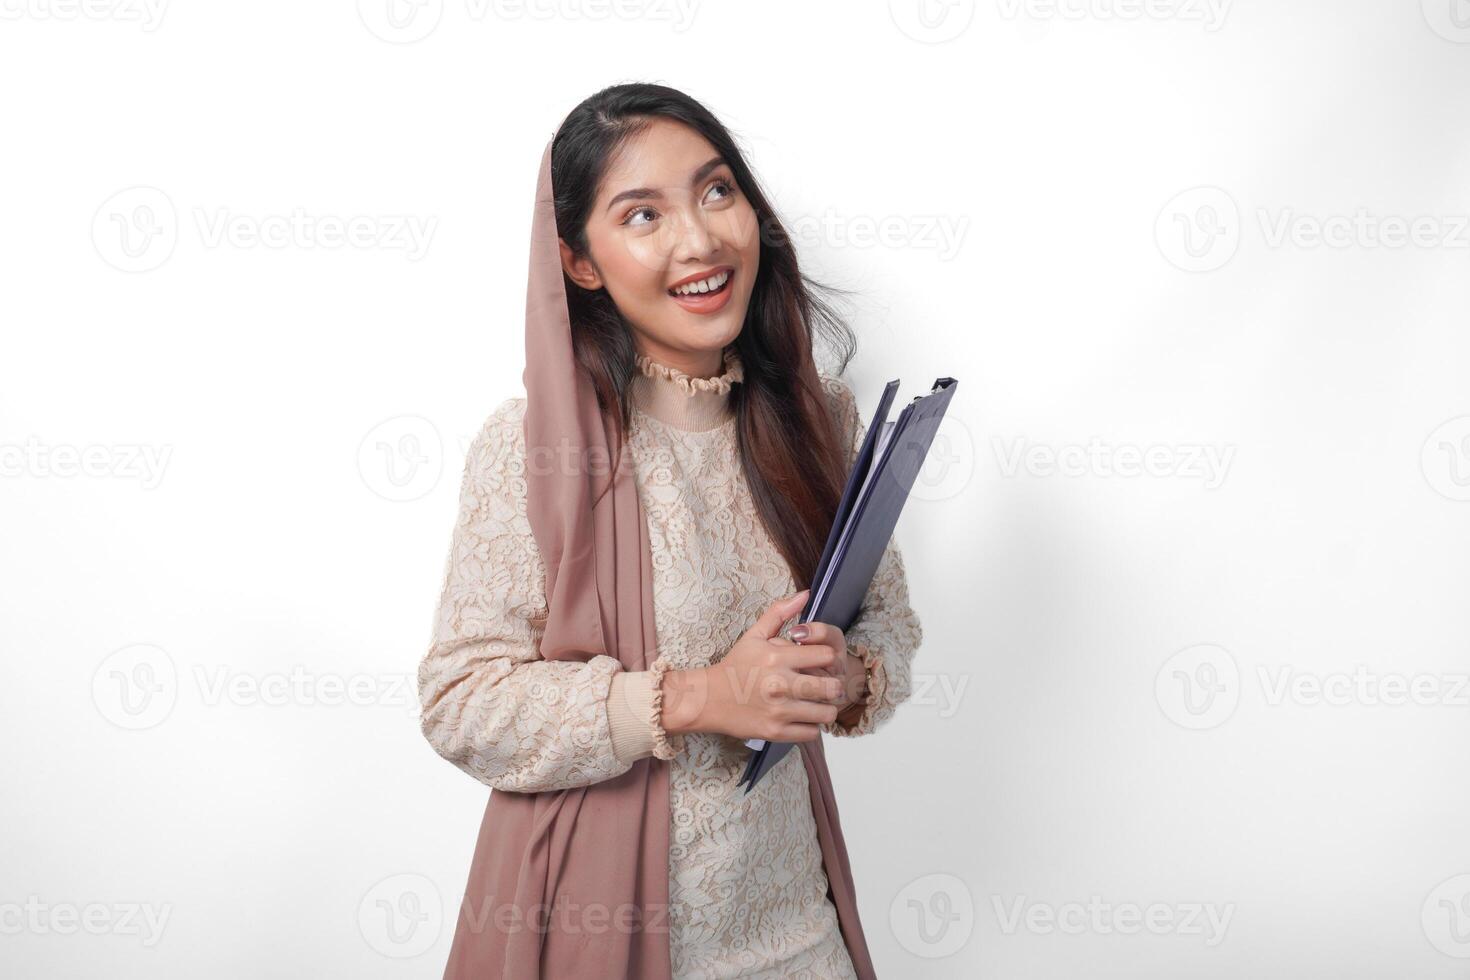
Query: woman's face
x=669 y=213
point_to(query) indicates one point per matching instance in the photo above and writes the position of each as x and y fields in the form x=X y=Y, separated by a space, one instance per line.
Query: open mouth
x=711 y=286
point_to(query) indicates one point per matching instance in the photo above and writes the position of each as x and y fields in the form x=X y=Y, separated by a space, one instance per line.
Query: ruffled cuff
x=635 y=716
x=877 y=689
x=665 y=746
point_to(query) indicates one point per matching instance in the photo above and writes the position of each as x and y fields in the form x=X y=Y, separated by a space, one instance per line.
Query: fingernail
x=799 y=632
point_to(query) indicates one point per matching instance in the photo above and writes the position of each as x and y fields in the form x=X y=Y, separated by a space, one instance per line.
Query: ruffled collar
x=682 y=400
x=734 y=371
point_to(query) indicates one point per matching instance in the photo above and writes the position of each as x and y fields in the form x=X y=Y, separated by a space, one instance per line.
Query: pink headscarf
x=574 y=884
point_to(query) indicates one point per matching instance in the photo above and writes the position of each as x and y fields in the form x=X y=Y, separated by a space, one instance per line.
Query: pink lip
x=706 y=303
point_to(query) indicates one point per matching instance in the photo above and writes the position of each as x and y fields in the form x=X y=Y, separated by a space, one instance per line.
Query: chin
x=706 y=333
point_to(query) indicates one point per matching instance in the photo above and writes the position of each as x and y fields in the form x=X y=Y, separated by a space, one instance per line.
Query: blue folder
x=888 y=461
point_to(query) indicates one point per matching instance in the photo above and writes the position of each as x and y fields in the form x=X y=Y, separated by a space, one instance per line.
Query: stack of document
x=887 y=463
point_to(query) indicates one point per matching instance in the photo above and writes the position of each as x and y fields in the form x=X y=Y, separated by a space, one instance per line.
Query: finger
x=817 y=689
x=804 y=656
x=769 y=623
x=822 y=633
x=799 y=733
x=810 y=713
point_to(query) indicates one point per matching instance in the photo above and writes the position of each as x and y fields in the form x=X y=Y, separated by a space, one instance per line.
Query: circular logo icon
x=402 y=458
x=136 y=229
x=1446 y=917
x=401 y=916
x=1450 y=19
x=950 y=463
x=938 y=474
x=400 y=21
x=932 y=21
x=1199 y=229
x=136 y=687
x=1198 y=687
x=1445 y=459
x=933 y=916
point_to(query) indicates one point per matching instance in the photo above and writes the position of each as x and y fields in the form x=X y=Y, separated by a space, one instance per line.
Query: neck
x=685 y=401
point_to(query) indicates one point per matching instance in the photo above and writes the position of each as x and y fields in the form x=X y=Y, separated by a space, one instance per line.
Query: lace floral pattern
x=747 y=886
x=489 y=703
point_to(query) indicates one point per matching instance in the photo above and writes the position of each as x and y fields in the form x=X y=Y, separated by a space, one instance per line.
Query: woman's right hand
x=757 y=690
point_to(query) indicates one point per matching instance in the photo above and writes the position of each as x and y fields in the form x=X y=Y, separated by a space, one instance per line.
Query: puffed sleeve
x=490 y=704
x=886 y=633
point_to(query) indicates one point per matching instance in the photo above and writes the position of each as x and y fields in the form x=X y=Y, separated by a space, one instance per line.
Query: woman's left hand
x=848 y=668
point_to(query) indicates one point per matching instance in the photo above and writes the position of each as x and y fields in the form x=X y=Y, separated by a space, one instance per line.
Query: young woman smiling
x=691 y=321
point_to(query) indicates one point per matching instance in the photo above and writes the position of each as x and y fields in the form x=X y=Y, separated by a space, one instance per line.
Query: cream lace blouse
x=747 y=886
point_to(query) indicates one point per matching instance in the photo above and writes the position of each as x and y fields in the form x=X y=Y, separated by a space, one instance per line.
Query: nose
x=693 y=240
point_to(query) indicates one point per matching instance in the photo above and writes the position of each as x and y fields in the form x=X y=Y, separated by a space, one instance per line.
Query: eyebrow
x=639 y=193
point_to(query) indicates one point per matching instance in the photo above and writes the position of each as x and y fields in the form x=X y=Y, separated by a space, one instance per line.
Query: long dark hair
x=791 y=450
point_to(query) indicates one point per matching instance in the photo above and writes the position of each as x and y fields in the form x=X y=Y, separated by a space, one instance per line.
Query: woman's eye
x=729 y=188
x=628 y=218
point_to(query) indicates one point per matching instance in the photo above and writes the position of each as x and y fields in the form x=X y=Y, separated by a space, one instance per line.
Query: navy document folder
x=888 y=461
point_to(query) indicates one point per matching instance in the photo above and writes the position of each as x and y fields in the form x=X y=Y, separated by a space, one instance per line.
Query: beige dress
x=746 y=881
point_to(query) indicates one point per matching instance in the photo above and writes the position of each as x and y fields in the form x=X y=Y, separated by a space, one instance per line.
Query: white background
x=1235 y=229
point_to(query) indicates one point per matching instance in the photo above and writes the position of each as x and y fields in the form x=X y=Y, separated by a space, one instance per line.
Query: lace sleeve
x=887 y=632
x=490 y=704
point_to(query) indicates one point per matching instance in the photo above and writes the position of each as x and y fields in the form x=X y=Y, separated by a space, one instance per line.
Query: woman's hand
x=763 y=688
x=848 y=667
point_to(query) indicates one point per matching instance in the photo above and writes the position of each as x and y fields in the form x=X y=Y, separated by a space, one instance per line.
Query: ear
x=579 y=270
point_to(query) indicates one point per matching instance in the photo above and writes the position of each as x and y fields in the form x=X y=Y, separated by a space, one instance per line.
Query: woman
x=609 y=635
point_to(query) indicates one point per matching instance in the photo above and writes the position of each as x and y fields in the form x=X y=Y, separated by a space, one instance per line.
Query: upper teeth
x=704 y=285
